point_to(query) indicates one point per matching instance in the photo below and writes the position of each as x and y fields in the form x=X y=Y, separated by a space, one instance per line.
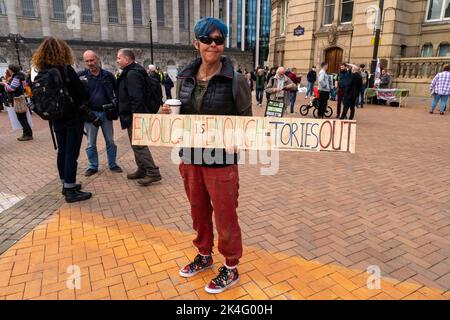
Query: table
x=390 y=95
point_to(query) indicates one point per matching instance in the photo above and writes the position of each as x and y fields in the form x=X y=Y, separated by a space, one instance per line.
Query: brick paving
x=310 y=231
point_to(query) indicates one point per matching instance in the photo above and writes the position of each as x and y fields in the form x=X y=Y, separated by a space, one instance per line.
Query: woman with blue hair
x=210 y=86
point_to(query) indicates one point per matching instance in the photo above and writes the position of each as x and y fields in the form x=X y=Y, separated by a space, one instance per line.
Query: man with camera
x=101 y=86
x=134 y=96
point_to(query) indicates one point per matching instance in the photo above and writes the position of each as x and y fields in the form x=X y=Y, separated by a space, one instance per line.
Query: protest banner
x=251 y=133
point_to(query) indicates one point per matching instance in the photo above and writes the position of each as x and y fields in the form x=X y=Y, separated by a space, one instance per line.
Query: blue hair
x=206 y=26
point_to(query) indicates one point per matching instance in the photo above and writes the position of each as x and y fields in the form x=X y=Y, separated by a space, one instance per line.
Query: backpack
x=51 y=98
x=154 y=95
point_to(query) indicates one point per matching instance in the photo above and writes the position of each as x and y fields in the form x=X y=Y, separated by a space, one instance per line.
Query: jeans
x=108 y=134
x=436 y=98
x=259 y=95
x=22 y=117
x=293 y=98
x=323 y=103
x=69 y=134
x=360 y=98
x=214 y=189
x=143 y=158
x=310 y=91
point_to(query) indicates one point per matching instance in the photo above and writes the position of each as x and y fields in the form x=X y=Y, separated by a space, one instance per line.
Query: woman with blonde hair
x=54 y=54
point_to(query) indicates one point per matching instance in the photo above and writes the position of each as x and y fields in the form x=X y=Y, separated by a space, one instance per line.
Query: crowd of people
x=76 y=103
x=90 y=100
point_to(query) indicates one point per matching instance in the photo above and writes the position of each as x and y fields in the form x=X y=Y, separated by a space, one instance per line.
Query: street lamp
x=151 y=39
x=373 y=66
x=17 y=39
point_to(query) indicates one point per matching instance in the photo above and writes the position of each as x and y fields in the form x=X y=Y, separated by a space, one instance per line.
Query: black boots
x=74 y=195
x=77 y=186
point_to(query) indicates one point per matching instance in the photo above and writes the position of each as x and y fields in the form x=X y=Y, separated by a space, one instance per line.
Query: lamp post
x=151 y=39
x=17 y=39
x=376 y=46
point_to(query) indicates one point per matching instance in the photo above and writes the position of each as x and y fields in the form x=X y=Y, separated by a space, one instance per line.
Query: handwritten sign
x=252 y=133
x=275 y=109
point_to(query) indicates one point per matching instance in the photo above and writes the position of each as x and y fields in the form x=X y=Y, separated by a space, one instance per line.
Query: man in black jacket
x=352 y=91
x=312 y=77
x=132 y=93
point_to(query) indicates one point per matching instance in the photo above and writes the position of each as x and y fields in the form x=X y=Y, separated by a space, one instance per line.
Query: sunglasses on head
x=208 y=40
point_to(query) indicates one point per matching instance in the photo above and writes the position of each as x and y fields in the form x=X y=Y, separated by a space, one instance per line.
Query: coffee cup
x=175 y=105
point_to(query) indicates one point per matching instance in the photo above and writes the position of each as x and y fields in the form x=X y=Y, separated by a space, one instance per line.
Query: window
x=113 y=12
x=347 y=11
x=137 y=12
x=58 y=10
x=160 y=13
x=283 y=18
x=403 y=50
x=2 y=8
x=427 y=50
x=182 y=13
x=86 y=11
x=444 y=49
x=438 y=10
x=328 y=15
x=28 y=8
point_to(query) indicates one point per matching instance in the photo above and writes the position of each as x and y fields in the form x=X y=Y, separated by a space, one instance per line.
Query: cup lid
x=173 y=102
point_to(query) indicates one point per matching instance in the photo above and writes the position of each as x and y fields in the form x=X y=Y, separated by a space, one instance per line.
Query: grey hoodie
x=324 y=83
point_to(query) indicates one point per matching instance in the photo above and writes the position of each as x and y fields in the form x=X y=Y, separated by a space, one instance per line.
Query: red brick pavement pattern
x=310 y=232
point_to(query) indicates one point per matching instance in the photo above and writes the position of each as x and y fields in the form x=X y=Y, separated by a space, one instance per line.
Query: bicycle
x=314 y=103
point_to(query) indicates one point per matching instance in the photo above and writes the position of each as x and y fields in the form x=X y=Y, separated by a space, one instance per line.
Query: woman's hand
x=166 y=109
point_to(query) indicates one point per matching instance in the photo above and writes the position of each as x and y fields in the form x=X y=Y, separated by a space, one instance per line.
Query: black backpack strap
x=50 y=124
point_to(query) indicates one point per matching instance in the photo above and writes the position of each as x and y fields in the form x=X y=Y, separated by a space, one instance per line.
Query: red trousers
x=214 y=189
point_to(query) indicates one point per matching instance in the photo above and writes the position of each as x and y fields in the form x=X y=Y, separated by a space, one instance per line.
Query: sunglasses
x=208 y=40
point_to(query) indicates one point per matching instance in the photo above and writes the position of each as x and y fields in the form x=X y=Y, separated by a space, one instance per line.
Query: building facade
x=415 y=40
x=106 y=25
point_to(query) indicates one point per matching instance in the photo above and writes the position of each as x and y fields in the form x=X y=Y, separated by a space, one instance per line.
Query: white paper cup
x=175 y=105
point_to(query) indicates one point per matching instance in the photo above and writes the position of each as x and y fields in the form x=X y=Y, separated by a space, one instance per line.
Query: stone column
x=196 y=10
x=130 y=23
x=243 y=27
x=258 y=31
x=216 y=9
x=175 y=21
x=104 y=21
x=12 y=16
x=235 y=25
x=45 y=17
x=154 y=17
x=227 y=19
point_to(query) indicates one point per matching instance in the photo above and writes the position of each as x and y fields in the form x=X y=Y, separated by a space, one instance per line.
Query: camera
x=90 y=116
x=112 y=113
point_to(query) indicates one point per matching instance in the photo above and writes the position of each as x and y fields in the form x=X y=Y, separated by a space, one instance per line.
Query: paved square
x=310 y=232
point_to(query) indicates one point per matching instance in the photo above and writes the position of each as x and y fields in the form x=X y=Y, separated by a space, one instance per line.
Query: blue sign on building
x=299 y=31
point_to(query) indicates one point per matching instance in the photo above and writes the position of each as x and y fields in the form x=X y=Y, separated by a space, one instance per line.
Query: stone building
x=107 y=25
x=415 y=40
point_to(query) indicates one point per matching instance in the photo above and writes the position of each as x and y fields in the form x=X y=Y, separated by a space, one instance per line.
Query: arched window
x=427 y=50
x=444 y=49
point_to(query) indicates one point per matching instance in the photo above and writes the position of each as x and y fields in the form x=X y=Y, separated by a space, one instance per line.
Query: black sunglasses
x=208 y=40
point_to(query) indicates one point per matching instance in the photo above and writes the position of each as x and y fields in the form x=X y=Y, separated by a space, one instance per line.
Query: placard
x=251 y=133
x=274 y=109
